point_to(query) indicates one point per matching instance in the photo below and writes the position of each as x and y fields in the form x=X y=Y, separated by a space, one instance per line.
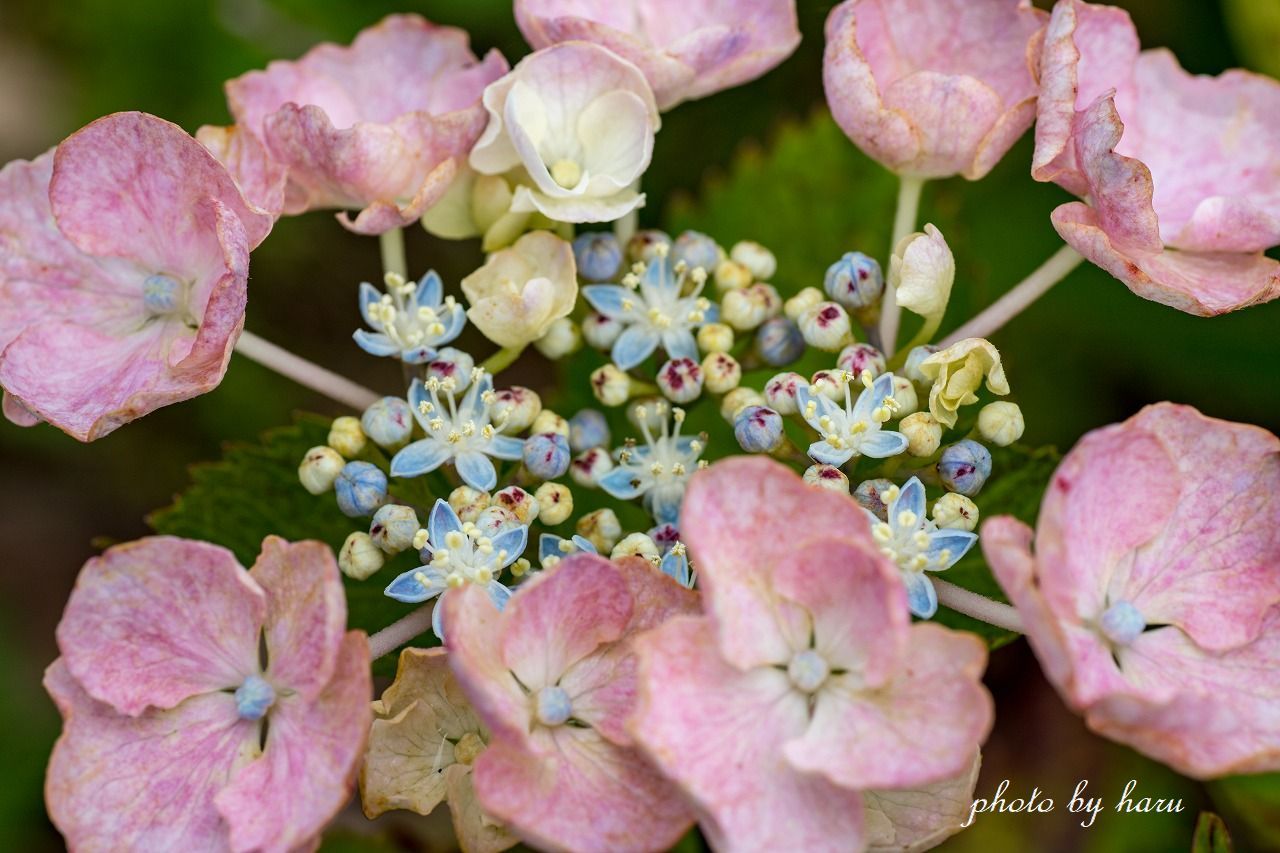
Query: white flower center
x=551 y=706
x=1121 y=623
x=808 y=671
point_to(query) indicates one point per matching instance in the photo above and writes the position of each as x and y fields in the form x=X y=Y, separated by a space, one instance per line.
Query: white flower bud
x=721 y=373
x=468 y=503
x=319 y=468
x=563 y=338
x=680 y=380
x=747 y=308
x=915 y=358
x=496 y=519
x=801 y=302
x=756 y=258
x=590 y=465
x=648 y=412
x=555 y=503
x=923 y=432
x=827 y=477
x=829 y=384
x=731 y=275
x=601 y=528
x=825 y=326
x=954 y=511
x=519 y=502
x=394 y=527
x=737 y=400
x=715 y=337
x=360 y=557
x=1001 y=423
x=922 y=271
x=549 y=421
x=611 y=386
x=780 y=392
x=347 y=436
x=904 y=394
x=515 y=409
x=635 y=545
x=600 y=331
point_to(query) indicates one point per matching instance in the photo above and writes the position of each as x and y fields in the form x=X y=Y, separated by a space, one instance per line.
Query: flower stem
x=1019 y=298
x=306 y=374
x=502 y=359
x=926 y=332
x=393 y=257
x=978 y=606
x=400 y=631
x=904 y=222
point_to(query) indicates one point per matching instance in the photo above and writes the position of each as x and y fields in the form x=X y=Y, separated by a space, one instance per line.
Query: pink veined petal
x=146 y=782
x=718 y=733
x=476 y=831
x=1121 y=187
x=306 y=616
x=154 y=622
x=922 y=727
x=585 y=794
x=306 y=773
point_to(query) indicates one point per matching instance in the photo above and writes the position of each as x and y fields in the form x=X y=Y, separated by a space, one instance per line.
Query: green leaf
x=1252 y=805
x=1211 y=835
x=1255 y=28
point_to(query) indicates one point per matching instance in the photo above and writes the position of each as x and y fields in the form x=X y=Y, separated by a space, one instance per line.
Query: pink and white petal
x=146 y=782
x=306 y=616
x=918 y=819
x=579 y=208
x=134 y=186
x=952 y=115
x=153 y=622
x=1120 y=188
x=718 y=732
x=476 y=831
x=1202 y=284
x=921 y=728
x=382 y=216
x=260 y=178
x=17 y=413
x=722 y=56
x=307 y=771
x=1226 y=224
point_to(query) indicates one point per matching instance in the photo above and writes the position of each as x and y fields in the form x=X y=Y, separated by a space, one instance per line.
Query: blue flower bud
x=758 y=429
x=546 y=455
x=388 y=422
x=964 y=467
x=870 y=496
x=697 y=250
x=855 y=281
x=779 y=341
x=598 y=255
x=361 y=488
x=588 y=429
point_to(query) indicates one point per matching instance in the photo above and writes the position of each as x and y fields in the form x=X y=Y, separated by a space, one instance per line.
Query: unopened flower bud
x=871 y=496
x=588 y=429
x=346 y=436
x=825 y=326
x=590 y=466
x=394 y=527
x=680 y=380
x=759 y=260
x=827 y=477
x=514 y=409
x=549 y=421
x=546 y=455
x=801 y=302
x=319 y=468
x=715 y=337
x=555 y=503
x=360 y=557
x=643 y=247
x=648 y=413
x=598 y=255
x=563 y=338
x=600 y=331
x=520 y=503
x=611 y=386
x=664 y=536
x=721 y=372
x=1000 y=423
x=904 y=394
x=731 y=276
x=468 y=503
x=389 y=422
x=912 y=370
x=758 y=429
x=697 y=250
x=923 y=432
x=635 y=545
x=922 y=271
x=779 y=341
x=855 y=281
x=495 y=519
x=964 y=467
x=361 y=488
x=601 y=528
x=955 y=512
x=737 y=400
x=780 y=392
x=452 y=363
x=856 y=358
x=829 y=384
x=747 y=308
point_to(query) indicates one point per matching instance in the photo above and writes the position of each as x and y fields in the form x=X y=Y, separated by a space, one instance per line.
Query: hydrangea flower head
x=659 y=470
x=805 y=684
x=652 y=304
x=857 y=428
x=124 y=260
x=686 y=50
x=461 y=432
x=553 y=677
x=411 y=320
x=460 y=554
x=382 y=126
x=164 y=697
x=1151 y=594
x=1173 y=164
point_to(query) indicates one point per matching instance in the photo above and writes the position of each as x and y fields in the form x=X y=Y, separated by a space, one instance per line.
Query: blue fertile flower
x=917 y=545
x=457 y=554
x=361 y=488
x=411 y=320
x=546 y=455
x=598 y=255
x=779 y=341
x=459 y=432
x=758 y=429
x=652 y=307
x=964 y=467
x=552 y=549
x=855 y=281
x=857 y=428
x=675 y=564
x=658 y=471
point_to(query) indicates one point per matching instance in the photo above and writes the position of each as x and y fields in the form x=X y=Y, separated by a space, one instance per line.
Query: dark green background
x=1089 y=353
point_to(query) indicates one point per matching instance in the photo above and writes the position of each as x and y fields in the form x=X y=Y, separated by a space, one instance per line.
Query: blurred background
x=1088 y=354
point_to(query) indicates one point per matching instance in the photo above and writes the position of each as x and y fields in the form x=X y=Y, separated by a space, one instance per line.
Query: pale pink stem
x=400 y=632
x=1019 y=298
x=313 y=376
x=978 y=606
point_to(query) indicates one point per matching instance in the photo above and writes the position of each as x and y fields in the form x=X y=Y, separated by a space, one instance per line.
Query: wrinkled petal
x=918 y=819
x=476 y=831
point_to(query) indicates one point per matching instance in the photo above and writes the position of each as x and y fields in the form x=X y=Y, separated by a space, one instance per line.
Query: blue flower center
x=163 y=295
x=552 y=706
x=254 y=697
x=808 y=671
x=1121 y=623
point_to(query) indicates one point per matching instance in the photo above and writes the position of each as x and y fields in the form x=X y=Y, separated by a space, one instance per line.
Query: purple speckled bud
x=588 y=429
x=856 y=358
x=361 y=488
x=697 y=250
x=546 y=455
x=855 y=281
x=454 y=364
x=388 y=422
x=680 y=380
x=870 y=496
x=598 y=255
x=964 y=467
x=779 y=341
x=758 y=429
